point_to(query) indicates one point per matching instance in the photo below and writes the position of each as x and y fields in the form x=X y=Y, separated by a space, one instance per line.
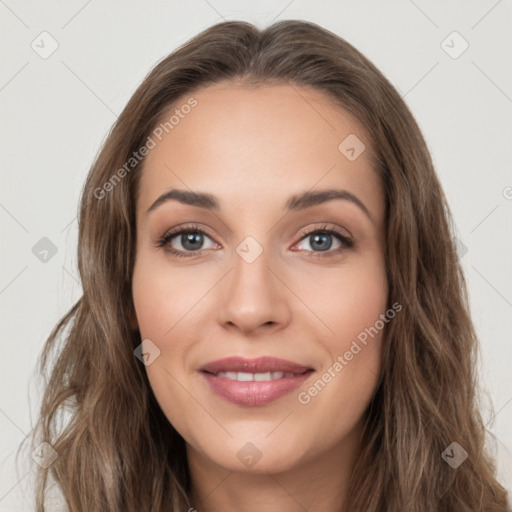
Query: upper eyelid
x=196 y=228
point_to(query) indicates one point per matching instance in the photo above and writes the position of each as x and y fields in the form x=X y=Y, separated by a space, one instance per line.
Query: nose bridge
x=251 y=262
x=252 y=295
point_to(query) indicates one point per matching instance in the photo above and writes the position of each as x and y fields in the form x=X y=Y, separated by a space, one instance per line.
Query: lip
x=261 y=364
x=254 y=393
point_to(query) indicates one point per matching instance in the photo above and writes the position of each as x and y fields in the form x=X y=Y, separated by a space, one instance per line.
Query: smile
x=247 y=389
x=247 y=377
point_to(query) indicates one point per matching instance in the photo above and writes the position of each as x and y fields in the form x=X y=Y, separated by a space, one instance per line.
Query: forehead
x=249 y=143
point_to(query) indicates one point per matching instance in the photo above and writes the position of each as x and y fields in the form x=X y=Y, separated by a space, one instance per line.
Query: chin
x=256 y=456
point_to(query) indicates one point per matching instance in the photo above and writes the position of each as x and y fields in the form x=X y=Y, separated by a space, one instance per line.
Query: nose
x=252 y=297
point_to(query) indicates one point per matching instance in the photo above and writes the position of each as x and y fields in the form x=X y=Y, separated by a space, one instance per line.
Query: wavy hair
x=117 y=451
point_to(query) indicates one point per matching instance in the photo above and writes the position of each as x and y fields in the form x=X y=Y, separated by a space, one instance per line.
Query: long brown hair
x=118 y=452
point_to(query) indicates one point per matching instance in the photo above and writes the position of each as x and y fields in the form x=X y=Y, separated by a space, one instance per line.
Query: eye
x=320 y=240
x=190 y=238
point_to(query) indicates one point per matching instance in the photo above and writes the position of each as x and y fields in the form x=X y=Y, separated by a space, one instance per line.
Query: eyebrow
x=294 y=203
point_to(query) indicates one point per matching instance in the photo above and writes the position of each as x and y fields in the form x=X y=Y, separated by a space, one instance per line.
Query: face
x=246 y=274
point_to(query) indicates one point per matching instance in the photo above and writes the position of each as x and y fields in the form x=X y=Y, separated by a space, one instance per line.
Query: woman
x=225 y=355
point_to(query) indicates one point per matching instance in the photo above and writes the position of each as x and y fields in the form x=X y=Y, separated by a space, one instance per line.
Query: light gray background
x=57 y=111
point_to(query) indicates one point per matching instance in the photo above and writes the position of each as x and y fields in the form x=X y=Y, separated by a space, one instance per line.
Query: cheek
x=162 y=296
x=164 y=306
x=346 y=300
x=356 y=306
x=168 y=306
x=351 y=305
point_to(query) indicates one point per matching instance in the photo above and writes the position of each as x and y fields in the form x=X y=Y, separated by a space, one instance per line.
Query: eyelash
x=193 y=228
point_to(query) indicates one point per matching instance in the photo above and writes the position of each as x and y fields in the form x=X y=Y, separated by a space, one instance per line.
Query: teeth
x=247 y=377
x=244 y=376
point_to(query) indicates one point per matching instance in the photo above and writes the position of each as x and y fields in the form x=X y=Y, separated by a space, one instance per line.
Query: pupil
x=317 y=239
x=194 y=239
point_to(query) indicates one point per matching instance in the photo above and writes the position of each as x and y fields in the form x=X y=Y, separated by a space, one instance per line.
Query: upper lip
x=259 y=365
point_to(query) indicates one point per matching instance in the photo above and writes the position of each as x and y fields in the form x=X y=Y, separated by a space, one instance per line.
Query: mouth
x=261 y=365
x=259 y=377
x=254 y=382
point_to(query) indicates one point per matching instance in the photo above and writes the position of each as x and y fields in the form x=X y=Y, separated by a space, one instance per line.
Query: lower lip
x=254 y=393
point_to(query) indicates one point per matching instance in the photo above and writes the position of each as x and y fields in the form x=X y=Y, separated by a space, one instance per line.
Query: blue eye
x=322 y=239
x=192 y=239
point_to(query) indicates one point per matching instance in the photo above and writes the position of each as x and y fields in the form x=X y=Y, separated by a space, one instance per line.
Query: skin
x=253 y=148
